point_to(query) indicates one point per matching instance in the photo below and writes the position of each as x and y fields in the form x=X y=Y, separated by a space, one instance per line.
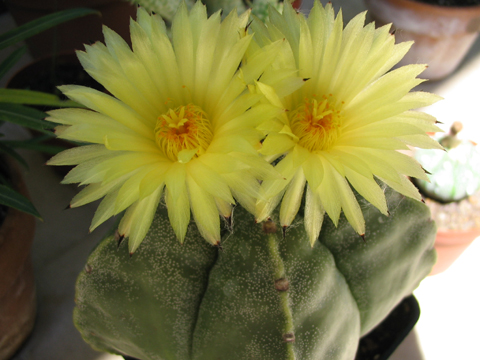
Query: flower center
x=316 y=123
x=183 y=128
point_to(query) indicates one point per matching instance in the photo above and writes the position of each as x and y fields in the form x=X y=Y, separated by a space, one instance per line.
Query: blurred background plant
x=16 y=107
x=455 y=173
x=167 y=8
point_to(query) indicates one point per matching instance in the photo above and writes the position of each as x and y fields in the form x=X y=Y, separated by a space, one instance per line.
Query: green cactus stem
x=454 y=173
x=262 y=295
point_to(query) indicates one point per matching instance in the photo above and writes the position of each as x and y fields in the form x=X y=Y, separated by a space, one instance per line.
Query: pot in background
x=442 y=34
x=17 y=286
x=450 y=244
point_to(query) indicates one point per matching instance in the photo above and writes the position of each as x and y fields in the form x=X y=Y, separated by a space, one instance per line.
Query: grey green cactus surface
x=455 y=172
x=264 y=294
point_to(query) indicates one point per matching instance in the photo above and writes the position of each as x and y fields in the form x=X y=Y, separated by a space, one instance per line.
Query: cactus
x=167 y=8
x=265 y=294
x=455 y=173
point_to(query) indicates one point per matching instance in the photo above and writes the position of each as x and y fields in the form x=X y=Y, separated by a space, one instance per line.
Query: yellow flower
x=181 y=123
x=344 y=127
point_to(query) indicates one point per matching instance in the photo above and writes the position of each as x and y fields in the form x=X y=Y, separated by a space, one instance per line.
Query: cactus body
x=261 y=296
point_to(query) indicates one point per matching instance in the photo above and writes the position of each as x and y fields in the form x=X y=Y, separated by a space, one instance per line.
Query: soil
x=462 y=215
x=451 y=2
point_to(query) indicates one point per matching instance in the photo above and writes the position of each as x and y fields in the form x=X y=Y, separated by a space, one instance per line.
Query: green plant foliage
x=37 y=26
x=12 y=103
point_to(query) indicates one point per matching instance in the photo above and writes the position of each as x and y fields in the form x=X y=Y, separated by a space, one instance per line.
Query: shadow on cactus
x=227 y=120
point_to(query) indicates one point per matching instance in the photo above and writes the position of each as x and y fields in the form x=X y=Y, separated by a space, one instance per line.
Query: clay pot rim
x=425 y=7
x=453 y=237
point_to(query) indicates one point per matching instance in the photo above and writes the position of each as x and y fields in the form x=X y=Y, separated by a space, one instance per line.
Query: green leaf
x=25 y=116
x=11 y=60
x=34 y=27
x=6 y=149
x=35 y=145
x=30 y=97
x=13 y=199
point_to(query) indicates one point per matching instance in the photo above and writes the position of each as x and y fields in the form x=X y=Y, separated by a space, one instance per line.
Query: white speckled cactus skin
x=261 y=296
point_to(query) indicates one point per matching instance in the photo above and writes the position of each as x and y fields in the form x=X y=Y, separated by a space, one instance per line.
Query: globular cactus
x=262 y=295
x=454 y=173
x=167 y=8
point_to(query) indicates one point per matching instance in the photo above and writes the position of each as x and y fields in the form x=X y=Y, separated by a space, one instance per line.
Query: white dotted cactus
x=261 y=296
x=455 y=172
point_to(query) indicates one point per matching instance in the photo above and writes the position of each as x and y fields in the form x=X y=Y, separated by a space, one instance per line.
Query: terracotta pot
x=450 y=245
x=442 y=34
x=73 y=34
x=17 y=288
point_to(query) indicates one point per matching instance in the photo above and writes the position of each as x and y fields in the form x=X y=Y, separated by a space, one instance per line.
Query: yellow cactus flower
x=344 y=127
x=181 y=123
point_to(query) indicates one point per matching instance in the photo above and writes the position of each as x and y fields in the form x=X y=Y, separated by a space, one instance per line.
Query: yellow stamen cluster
x=183 y=128
x=316 y=123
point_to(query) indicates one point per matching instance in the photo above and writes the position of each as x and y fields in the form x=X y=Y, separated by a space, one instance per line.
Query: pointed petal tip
x=426 y=171
x=119 y=238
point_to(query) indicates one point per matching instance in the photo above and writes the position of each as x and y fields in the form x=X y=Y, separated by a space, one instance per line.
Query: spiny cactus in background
x=455 y=172
x=262 y=296
x=167 y=8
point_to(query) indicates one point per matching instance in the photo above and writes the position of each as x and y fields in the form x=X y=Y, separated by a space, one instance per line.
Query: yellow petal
x=350 y=206
x=175 y=180
x=369 y=189
x=314 y=214
x=329 y=192
x=313 y=170
x=209 y=181
x=143 y=218
x=178 y=211
x=292 y=198
x=105 y=210
x=78 y=154
x=204 y=211
x=276 y=144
